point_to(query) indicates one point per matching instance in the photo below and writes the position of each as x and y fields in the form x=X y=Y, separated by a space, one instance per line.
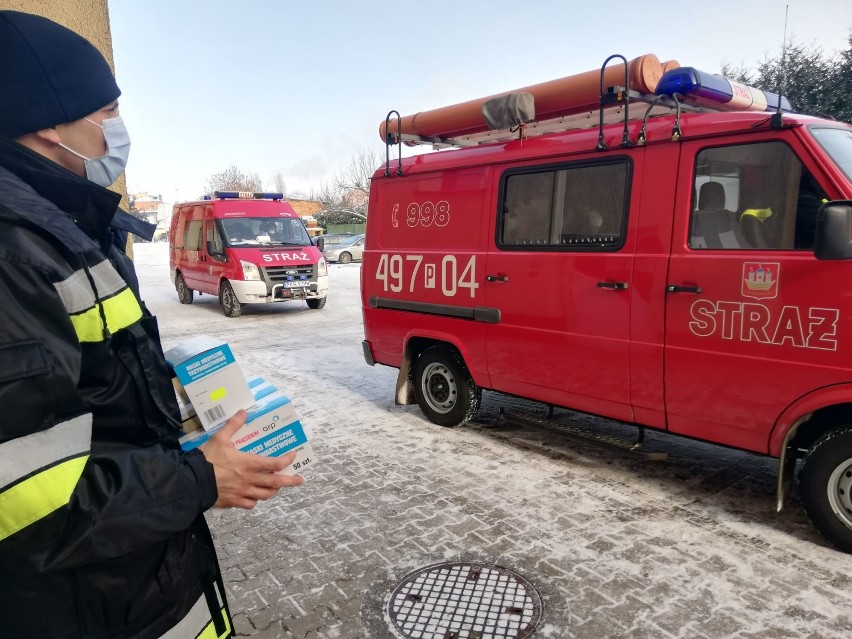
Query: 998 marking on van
x=413 y=272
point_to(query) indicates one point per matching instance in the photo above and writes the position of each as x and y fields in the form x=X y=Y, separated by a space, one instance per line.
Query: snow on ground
x=689 y=547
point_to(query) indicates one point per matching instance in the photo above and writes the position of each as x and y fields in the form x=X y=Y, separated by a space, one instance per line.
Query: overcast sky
x=299 y=87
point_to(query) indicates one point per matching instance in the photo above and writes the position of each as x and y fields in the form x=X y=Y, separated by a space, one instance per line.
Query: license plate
x=298 y=284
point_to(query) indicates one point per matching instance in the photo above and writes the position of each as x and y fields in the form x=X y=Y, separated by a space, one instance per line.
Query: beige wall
x=89 y=18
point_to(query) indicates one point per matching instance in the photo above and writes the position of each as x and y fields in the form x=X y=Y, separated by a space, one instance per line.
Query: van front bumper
x=257 y=292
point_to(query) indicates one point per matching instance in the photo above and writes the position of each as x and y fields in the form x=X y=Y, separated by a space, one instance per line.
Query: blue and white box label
x=211 y=379
x=271 y=429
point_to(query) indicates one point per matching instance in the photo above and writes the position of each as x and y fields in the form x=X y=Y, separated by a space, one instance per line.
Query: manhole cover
x=464 y=601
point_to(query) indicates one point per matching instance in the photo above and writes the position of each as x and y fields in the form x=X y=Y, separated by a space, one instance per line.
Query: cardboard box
x=210 y=380
x=271 y=429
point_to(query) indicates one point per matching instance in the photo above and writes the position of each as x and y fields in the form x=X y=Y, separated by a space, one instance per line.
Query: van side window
x=578 y=207
x=192 y=237
x=753 y=196
x=212 y=235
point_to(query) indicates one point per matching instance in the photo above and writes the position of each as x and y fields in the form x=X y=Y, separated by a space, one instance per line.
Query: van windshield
x=264 y=231
x=837 y=144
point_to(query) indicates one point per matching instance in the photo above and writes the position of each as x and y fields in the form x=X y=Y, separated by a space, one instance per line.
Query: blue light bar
x=716 y=92
x=246 y=195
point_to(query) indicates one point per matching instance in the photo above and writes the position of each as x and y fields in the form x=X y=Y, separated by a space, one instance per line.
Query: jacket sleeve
x=63 y=502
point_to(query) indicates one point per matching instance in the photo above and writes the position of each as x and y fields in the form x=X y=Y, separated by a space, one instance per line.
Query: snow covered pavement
x=616 y=546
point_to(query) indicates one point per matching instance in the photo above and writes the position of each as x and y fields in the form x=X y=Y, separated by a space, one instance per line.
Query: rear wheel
x=825 y=485
x=443 y=387
x=345 y=258
x=231 y=306
x=185 y=294
x=316 y=302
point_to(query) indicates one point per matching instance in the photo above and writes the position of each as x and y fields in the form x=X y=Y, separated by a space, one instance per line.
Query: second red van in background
x=245 y=248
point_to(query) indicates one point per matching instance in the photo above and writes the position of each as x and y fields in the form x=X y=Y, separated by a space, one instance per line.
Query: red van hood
x=277 y=256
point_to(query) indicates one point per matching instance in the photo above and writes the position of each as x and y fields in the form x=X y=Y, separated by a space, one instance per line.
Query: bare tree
x=233 y=179
x=346 y=196
x=356 y=175
x=278 y=184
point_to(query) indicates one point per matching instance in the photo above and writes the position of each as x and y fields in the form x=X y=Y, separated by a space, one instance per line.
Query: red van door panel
x=560 y=274
x=650 y=268
x=426 y=261
x=749 y=324
x=211 y=264
x=193 y=250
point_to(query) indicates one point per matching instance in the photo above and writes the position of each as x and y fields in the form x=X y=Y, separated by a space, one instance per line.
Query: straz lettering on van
x=814 y=328
x=411 y=273
x=286 y=257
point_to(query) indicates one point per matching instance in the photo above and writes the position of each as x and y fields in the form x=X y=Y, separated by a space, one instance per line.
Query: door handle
x=617 y=286
x=496 y=278
x=677 y=288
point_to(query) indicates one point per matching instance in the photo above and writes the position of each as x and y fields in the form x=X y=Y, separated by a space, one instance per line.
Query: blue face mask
x=106 y=169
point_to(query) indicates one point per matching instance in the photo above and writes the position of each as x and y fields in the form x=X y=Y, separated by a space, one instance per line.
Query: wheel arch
x=414 y=345
x=803 y=423
x=809 y=417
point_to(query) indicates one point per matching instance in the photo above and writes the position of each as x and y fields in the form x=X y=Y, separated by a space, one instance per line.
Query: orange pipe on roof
x=670 y=64
x=555 y=98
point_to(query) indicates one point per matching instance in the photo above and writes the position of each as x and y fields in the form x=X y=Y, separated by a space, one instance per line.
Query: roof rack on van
x=571 y=103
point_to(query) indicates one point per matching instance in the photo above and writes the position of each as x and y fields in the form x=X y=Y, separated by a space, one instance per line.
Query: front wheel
x=231 y=306
x=345 y=258
x=443 y=387
x=825 y=486
x=185 y=293
x=316 y=302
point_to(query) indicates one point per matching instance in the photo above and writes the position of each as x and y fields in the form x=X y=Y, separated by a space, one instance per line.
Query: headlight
x=322 y=267
x=250 y=270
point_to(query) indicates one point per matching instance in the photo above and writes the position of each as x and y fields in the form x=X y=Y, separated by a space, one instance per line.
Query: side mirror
x=212 y=250
x=833 y=235
x=320 y=243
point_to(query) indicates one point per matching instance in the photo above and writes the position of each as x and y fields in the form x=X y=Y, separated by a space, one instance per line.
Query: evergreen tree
x=815 y=82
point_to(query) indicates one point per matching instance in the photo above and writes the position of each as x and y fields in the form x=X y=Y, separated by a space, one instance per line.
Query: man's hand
x=244 y=478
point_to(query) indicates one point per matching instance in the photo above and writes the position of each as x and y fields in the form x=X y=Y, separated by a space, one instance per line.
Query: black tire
x=443 y=387
x=825 y=486
x=316 y=302
x=231 y=306
x=345 y=258
x=185 y=294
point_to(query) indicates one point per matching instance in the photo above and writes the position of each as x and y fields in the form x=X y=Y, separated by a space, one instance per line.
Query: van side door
x=559 y=272
x=752 y=318
x=212 y=264
x=193 y=250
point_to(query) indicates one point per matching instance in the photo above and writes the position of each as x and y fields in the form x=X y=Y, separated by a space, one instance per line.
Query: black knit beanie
x=49 y=75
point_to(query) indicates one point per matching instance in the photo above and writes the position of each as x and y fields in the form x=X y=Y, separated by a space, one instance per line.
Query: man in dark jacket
x=102 y=533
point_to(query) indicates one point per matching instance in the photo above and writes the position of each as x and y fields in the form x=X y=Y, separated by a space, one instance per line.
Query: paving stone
x=618 y=548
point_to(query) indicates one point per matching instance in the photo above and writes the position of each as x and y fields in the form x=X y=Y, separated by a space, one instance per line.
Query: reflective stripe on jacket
x=102 y=533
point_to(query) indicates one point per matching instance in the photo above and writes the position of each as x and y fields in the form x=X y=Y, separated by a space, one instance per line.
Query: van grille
x=287 y=273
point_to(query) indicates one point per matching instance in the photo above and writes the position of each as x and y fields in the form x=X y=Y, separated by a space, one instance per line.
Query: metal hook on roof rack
x=624 y=97
x=675 y=130
x=393 y=138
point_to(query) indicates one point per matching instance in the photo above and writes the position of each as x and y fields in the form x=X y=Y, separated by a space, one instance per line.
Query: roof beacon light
x=247 y=195
x=716 y=92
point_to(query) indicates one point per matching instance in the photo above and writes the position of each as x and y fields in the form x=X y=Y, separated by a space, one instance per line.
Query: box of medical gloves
x=271 y=429
x=210 y=379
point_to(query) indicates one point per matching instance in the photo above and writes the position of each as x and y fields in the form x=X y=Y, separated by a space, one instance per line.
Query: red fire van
x=675 y=256
x=245 y=248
